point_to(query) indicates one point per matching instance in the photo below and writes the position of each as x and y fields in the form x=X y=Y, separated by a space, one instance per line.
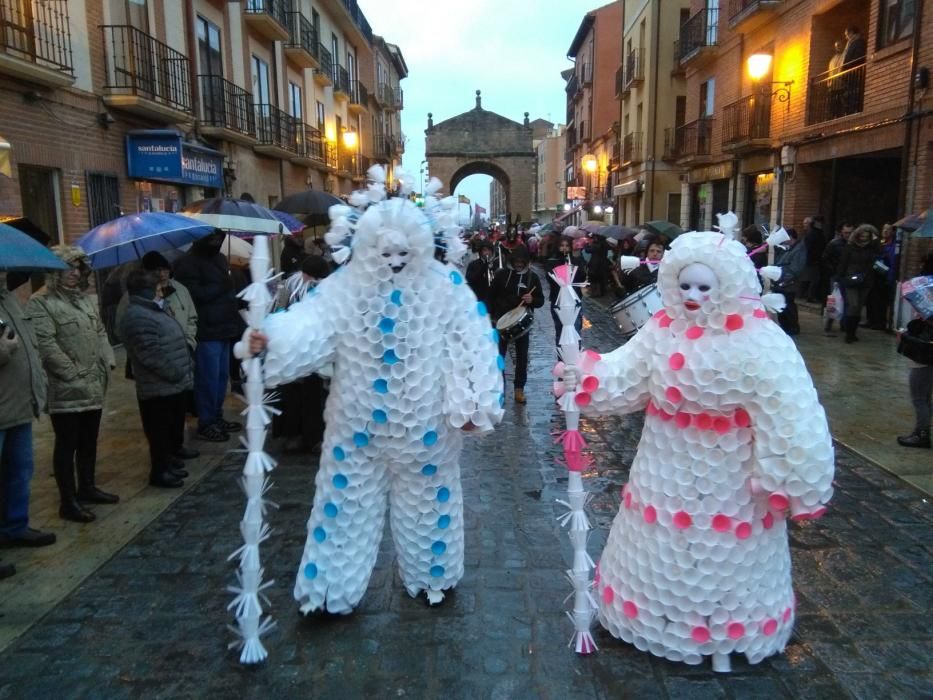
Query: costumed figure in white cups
x=415 y=363
x=735 y=440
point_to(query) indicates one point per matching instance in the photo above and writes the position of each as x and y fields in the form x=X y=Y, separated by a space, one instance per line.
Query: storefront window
x=760 y=188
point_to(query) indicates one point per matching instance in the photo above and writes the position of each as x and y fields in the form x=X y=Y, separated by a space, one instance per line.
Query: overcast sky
x=512 y=51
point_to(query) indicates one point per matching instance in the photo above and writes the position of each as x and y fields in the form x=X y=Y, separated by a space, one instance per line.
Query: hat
x=155 y=261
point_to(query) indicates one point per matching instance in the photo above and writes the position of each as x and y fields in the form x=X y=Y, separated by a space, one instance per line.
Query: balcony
x=584 y=132
x=571 y=138
x=572 y=87
x=632 y=148
x=145 y=76
x=699 y=37
x=615 y=161
x=276 y=133
x=35 y=42
x=388 y=147
x=341 y=83
x=268 y=18
x=324 y=73
x=301 y=48
x=620 y=80
x=353 y=165
x=746 y=124
x=586 y=74
x=634 y=69
x=835 y=95
x=359 y=96
x=694 y=140
x=748 y=15
x=310 y=146
x=398 y=99
x=673 y=144
x=226 y=111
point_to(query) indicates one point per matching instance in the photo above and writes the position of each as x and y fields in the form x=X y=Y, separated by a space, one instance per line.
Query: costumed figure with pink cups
x=414 y=362
x=735 y=443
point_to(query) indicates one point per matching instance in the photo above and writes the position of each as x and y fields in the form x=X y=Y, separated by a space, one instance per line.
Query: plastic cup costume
x=414 y=360
x=697 y=561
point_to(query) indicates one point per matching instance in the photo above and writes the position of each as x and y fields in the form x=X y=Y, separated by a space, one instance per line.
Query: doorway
x=40 y=197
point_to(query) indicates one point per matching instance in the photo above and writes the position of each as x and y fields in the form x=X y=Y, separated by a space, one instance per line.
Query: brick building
x=775 y=132
x=137 y=105
x=592 y=131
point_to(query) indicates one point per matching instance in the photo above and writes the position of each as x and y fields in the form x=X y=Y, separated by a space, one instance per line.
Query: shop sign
x=708 y=173
x=627 y=188
x=161 y=155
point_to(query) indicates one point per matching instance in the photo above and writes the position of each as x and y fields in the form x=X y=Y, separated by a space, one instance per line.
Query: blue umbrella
x=130 y=237
x=292 y=224
x=19 y=252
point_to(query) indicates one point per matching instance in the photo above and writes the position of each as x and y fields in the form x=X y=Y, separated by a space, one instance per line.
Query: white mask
x=394 y=250
x=697 y=282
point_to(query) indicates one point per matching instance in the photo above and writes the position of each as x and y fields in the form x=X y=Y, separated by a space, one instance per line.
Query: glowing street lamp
x=759 y=65
x=349 y=139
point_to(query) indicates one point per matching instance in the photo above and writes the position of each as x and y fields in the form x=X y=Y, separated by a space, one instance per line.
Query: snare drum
x=515 y=323
x=636 y=309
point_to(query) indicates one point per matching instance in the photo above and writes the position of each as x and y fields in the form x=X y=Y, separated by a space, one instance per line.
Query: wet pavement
x=151 y=620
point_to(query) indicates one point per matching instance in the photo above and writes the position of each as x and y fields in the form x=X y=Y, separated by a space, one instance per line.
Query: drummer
x=515 y=285
x=646 y=273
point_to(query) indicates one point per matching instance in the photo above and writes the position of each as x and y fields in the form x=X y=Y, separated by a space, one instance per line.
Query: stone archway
x=480 y=142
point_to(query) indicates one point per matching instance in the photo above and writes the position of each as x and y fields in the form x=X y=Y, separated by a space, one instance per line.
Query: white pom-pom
x=405 y=183
x=376 y=173
x=778 y=238
x=629 y=262
x=774 y=303
x=433 y=187
x=337 y=211
x=340 y=254
x=771 y=272
x=359 y=199
x=334 y=237
x=728 y=223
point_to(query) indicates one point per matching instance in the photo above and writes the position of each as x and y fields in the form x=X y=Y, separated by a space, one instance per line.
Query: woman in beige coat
x=78 y=359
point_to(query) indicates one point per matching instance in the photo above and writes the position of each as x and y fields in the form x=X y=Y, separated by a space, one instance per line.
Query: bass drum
x=635 y=310
x=515 y=323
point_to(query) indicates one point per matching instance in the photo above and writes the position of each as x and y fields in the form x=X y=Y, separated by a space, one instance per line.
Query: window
x=209 y=55
x=896 y=21
x=680 y=110
x=320 y=117
x=316 y=23
x=335 y=52
x=707 y=98
x=137 y=14
x=294 y=100
x=260 y=81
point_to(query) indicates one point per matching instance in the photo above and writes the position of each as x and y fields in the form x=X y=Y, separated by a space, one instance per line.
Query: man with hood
x=206 y=274
x=78 y=359
x=22 y=398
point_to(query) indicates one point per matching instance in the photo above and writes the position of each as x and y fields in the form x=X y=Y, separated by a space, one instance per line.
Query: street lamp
x=758 y=66
x=349 y=139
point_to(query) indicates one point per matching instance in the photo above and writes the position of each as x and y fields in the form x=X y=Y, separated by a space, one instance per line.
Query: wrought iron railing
x=226 y=105
x=38 y=32
x=695 y=138
x=398 y=98
x=359 y=95
x=747 y=119
x=571 y=138
x=276 y=128
x=309 y=141
x=737 y=7
x=700 y=30
x=301 y=33
x=326 y=61
x=835 y=94
x=620 y=80
x=277 y=9
x=634 y=67
x=673 y=143
x=631 y=147
x=341 y=79
x=359 y=19
x=573 y=85
x=142 y=65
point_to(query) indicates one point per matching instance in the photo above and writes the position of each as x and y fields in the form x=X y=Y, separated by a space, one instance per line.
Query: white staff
x=249 y=593
x=572 y=364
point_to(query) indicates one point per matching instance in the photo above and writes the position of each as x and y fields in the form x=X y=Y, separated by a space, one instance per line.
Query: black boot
x=70 y=509
x=851 y=328
x=88 y=491
x=918 y=438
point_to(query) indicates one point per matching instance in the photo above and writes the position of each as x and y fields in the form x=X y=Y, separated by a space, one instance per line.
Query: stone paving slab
x=151 y=621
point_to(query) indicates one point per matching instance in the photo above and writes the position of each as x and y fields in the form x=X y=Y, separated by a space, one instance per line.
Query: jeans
x=921 y=391
x=211 y=372
x=521 y=358
x=558 y=326
x=164 y=425
x=15 y=475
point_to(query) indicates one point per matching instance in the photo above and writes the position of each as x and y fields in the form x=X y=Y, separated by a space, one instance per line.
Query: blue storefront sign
x=162 y=155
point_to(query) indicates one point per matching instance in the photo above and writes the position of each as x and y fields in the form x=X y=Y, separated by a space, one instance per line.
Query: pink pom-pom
x=582 y=399
x=558 y=370
x=572 y=441
x=558 y=389
x=590 y=383
x=778 y=501
x=577 y=462
x=589 y=360
x=700 y=634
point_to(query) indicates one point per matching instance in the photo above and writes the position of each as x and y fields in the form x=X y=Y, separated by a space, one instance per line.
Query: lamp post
x=759 y=66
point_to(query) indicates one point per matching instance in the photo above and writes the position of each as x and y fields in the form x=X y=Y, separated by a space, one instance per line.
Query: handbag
x=916 y=343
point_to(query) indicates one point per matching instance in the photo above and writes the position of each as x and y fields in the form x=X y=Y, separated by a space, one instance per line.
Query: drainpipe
x=654 y=122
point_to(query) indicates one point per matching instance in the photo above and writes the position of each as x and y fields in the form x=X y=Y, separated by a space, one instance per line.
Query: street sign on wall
x=161 y=155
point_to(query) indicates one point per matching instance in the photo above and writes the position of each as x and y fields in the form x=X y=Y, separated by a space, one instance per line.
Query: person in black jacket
x=479 y=273
x=516 y=285
x=856 y=276
x=830 y=261
x=206 y=274
x=162 y=367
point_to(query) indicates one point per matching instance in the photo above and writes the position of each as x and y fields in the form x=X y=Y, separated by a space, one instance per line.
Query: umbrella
x=926 y=230
x=19 y=252
x=664 y=228
x=312 y=205
x=233 y=247
x=291 y=223
x=619 y=233
x=594 y=227
x=235 y=216
x=130 y=237
x=574 y=232
x=21 y=223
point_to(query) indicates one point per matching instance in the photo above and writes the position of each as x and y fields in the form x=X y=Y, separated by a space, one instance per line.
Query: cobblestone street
x=151 y=621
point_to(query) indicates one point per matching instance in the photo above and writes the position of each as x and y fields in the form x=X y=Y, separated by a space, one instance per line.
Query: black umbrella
x=311 y=206
x=21 y=223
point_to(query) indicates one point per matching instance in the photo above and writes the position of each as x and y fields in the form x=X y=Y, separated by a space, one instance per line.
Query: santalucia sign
x=161 y=155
